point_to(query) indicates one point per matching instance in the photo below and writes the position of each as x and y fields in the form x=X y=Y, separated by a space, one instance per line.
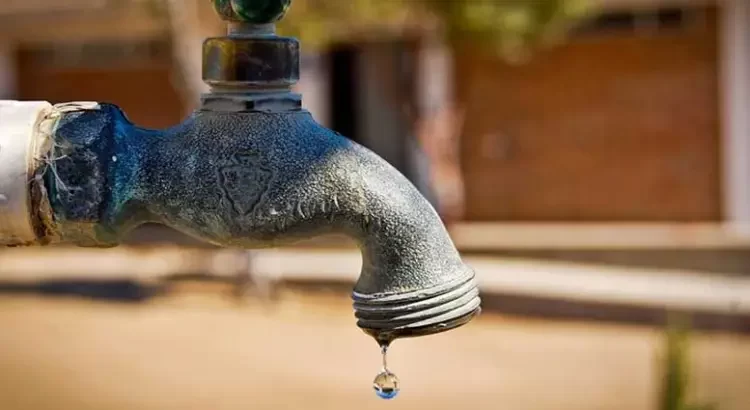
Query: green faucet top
x=252 y=11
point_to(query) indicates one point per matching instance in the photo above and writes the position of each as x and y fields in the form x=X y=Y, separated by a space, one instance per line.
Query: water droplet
x=386 y=384
x=384 y=352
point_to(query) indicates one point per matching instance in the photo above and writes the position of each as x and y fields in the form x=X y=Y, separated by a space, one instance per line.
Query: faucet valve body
x=249 y=169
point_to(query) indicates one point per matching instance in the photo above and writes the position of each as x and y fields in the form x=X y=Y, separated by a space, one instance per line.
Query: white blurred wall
x=314 y=85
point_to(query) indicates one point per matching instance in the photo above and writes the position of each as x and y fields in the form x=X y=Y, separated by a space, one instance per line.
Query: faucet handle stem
x=251 y=11
x=251 y=68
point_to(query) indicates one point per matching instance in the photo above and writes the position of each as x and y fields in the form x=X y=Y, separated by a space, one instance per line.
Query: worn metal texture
x=255 y=179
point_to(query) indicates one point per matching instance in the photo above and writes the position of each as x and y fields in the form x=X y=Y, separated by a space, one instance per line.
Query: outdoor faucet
x=249 y=169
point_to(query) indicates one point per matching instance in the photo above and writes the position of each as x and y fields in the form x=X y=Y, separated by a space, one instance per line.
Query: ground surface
x=198 y=350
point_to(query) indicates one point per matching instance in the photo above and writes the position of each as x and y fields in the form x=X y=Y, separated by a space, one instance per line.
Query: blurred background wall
x=630 y=116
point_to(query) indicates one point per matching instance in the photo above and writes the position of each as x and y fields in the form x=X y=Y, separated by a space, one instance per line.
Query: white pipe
x=19 y=132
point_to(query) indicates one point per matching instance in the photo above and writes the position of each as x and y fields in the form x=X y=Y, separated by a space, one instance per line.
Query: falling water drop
x=386 y=384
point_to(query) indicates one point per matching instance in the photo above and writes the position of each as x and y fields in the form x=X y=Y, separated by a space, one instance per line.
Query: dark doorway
x=344 y=98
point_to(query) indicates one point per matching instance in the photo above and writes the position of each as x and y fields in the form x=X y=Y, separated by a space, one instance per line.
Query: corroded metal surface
x=257 y=180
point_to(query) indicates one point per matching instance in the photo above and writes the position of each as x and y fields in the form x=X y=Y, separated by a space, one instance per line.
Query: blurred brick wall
x=606 y=127
x=144 y=89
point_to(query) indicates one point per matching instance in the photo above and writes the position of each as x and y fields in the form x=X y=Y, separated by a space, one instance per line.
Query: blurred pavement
x=194 y=351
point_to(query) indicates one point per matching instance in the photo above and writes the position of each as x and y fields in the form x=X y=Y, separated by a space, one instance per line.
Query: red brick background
x=607 y=127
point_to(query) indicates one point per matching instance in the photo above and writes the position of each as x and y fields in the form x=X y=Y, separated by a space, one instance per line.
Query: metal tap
x=250 y=168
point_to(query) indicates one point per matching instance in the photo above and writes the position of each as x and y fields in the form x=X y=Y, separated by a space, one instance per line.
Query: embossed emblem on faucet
x=244 y=181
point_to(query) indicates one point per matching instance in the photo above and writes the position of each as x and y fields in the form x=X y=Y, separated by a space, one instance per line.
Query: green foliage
x=319 y=23
x=509 y=27
x=676 y=377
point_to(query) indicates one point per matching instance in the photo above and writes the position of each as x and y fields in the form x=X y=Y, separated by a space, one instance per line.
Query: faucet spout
x=252 y=180
x=283 y=177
